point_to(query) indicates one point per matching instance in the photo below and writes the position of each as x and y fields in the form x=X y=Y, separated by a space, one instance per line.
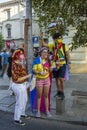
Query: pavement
x=74 y=105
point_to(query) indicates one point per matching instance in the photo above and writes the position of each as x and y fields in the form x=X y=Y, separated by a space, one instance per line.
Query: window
x=9 y=32
x=8 y=14
x=8 y=26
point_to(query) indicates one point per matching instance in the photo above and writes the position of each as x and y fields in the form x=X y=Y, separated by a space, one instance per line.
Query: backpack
x=67 y=73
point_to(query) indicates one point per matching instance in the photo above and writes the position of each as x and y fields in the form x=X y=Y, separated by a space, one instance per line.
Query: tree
x=68 y=13
x=1 y=41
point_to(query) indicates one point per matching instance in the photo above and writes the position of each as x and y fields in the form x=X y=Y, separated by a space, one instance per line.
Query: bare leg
x=62 y=88
x=61 y=84
x=46 y=91
x=39 y=95
x=58 y=85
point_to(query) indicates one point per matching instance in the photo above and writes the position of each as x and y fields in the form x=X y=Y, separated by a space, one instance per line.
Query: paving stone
x=78 y=93
x=7 y=101
x=4 y=87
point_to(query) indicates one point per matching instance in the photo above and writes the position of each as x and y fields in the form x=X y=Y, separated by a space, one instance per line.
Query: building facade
x=12 y=19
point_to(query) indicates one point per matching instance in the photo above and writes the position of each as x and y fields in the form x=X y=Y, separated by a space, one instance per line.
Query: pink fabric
x=43 y=82
x=42 y=107
x=33 y=96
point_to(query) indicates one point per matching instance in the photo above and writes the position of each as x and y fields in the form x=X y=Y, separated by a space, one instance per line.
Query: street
x=7 y=123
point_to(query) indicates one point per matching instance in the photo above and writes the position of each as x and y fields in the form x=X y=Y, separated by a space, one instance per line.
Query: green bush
x=1 y=41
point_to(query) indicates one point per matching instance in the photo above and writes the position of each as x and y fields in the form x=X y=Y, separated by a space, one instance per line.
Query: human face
x=44 y=54
x=57 y=40
x=22 y=56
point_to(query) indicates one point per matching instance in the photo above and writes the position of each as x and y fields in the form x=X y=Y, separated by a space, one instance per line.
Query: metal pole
x=29 y=45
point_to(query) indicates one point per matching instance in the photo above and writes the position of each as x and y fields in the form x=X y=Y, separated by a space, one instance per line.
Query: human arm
x=19 y=74
x=24 y=78
x=43 y=43
x=19 y=79
x=39 y=70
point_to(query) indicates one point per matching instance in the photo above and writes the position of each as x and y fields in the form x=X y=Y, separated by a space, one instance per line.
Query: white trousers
x=20 y=92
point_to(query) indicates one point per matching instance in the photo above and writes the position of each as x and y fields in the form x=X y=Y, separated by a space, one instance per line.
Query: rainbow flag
x=33 y=94
x=67 y=73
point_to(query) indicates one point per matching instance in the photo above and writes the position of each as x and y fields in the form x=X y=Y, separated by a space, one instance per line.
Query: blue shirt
x=5 y=56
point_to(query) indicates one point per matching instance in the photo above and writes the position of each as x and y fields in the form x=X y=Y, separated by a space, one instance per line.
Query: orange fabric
x=17 y=72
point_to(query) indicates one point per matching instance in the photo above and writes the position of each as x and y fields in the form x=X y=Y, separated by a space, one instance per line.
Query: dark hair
x=42 y=49
x=12 y=50
x=21 y=49
x=56 y=35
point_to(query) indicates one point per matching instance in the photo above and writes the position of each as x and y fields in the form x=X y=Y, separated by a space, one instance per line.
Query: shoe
x=48 y=114
x=26 y=116
x=11 y=93
x=57 y=94
x=62 y=96
x=38 y=114
x=19 y=122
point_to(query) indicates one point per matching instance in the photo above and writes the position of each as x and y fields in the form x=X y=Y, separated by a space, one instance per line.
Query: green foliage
x=72 y=12
x=1 y=41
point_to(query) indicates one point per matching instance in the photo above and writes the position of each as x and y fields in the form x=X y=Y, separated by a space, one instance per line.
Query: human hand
x=41 y=34
x=29 y=75
x=43 y=73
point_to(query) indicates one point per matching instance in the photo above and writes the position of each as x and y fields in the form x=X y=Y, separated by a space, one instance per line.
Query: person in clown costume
x=58 y=61
x=19 y=85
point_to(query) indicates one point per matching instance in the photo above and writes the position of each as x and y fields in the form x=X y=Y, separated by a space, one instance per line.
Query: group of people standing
x=51 y=60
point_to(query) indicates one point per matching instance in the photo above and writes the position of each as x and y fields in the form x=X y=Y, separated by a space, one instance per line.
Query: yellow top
x=61 y=60
x=40 y=68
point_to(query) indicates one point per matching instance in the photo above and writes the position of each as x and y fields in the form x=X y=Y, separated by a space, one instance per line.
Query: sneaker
x=38 y=114
x=19 y=122
x=11 y=93
x=48 y=114
x=25 y=116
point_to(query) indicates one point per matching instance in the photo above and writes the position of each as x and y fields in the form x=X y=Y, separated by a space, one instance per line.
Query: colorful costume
x=19 y=87
x=58 y=58
x=39 y=66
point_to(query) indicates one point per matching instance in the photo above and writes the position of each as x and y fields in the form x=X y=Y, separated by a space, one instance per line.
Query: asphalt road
x=7 y=123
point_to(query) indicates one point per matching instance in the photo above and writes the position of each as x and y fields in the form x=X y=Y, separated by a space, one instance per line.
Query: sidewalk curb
x=66 y=120
x=76 y=112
